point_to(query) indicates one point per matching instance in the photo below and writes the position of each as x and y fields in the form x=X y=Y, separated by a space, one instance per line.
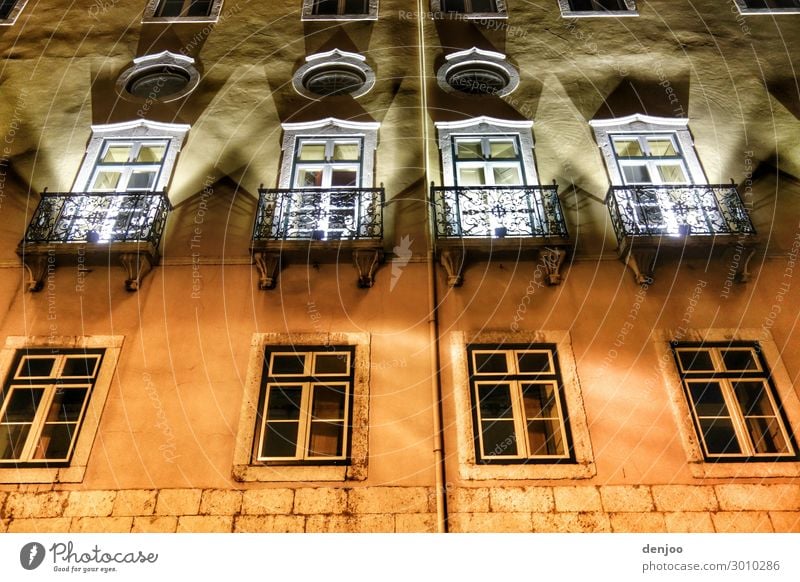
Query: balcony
x=649 y=220
x=499 y=221
x=318 y=225
x=85 y=228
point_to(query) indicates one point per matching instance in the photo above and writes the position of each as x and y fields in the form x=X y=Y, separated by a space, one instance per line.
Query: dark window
x=772 y=3
x=6 y=6
x=183 y=8
x=469 y=6
x=519 y=411
x=333 y=7
x=305 y=405
x=735 y=409
x=597 y=5
x=42 y=405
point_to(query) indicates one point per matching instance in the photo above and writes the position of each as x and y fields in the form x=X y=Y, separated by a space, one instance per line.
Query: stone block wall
x=611 y=508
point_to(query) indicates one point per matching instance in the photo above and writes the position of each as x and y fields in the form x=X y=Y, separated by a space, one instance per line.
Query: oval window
x=477 y=79
x=158 y=83
x=334 y=81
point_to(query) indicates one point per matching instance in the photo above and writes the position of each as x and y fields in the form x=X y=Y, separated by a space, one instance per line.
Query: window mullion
x=520 y=422
x=737 y=418
x=304 y=429
x=37 y=425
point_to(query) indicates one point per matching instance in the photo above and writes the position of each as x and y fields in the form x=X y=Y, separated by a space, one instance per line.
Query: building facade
x=470 y=266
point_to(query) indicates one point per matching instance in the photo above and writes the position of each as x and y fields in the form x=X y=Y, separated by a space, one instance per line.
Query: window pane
x=117 y=154
x=326 y=6
x=142 y=180
x=200 y=8
x=661 y=147
x=280 y=439
x=284 y=402
x=326 y=439
x=328 y=403
x=636 y=174
x=753 y=399
x=471 y=177
x=12 y=440
x=739 y=360
x=36 y=367
x=499 y=438
x=106 y=180
x=708 y=399
x=540 y=401
x=23 y=404
x=346 y=151
x=672 y=173
x=469 y=150
x=719 y=436
x=502 y=149
x=170 y=8
x=454 y=5
x=288 y=364
x=309 y=178
x=55 y=441
x=534 y=362
x=67 y=404
x=628 y=148
x=6 y=6
x=766 y=435
x=696 y=361
x=495 y=401
x=506 y=176
x=312 y=152
x=483 y=6
x=344 y=177
x=80 y=367
x=355 y=7
x=151 y=153
x=544 y=437
x=331 y=363
x=491 y=363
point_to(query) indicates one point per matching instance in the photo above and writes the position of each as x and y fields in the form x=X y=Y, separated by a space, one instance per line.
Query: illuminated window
x=488 y=161
x=736 y=412
x=304 y=407
x=518 y=404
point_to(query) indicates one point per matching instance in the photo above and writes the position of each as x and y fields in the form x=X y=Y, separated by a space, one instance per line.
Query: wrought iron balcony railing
x=677 y=210
x=498 y=211
x=319 y=214
x=99 y=217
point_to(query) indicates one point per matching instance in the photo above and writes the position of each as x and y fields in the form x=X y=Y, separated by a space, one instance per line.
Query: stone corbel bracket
x=366 y=263
x=642 y=262
x=36 y=267
x=268 y=265
x=453 y=261
x=136 y=266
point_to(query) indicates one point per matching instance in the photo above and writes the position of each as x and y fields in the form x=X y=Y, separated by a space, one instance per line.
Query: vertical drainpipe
x=433 y=320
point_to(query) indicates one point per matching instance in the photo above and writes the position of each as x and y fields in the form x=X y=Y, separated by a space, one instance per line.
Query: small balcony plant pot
x=317 y=235
x=92 y=236
x=335 y=235
x=500 y=232
x=685 y=229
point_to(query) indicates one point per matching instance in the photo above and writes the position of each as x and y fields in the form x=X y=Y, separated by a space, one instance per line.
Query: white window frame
x=305 y=420
x=247 y=468
x=152 y=7
x=308 y=13
x=485 y=59
x=328 y=165
x=488 y=164
x=568 y=12
x=155 y=62
x=81 y=447
x=14 y=13
x=334 y=59
x=699 y=465
x=519 y=418
x=133 y=131
x=738 y=420
x=582 y=465
x=744 y=9
x=486 y=127
x=437 y=8
x=647 y=160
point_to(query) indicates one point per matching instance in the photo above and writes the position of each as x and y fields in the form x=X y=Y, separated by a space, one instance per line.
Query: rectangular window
x=183 y=8
x=469 y=6
x=305 y=405
x=766 y=4
x=128 y=165
x=340 y=7
x=6 y=6
x=43 y=403
x=488 y=161
x=650 y=159
x=736 y=412
x=519 y=410
x=597 y=5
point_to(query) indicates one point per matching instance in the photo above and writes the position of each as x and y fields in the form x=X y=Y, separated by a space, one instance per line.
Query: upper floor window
x=328 y=163
x=577 y=8
x=518 y=405
x=470 y=8
x=132 y=156
x=10 y=10
x=340 y=9
x=651 y=158
x=736 y=412
x=768 y=6
x=182 y=10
